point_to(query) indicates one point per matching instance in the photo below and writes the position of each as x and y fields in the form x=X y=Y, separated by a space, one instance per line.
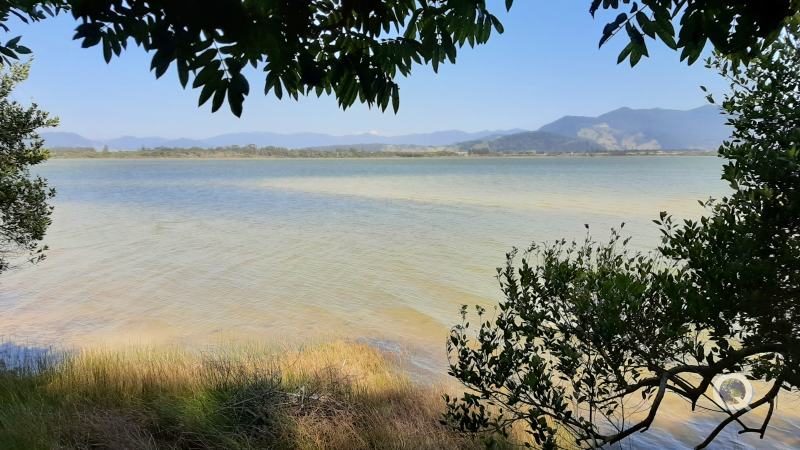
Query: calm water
x=385 y=250
x=381 y=249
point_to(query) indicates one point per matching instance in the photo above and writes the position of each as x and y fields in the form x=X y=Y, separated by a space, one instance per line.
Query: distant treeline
x=485 y=152
x=328 y=152
x=240 y=152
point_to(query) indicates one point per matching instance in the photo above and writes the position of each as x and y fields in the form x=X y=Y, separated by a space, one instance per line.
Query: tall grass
x=333 y=396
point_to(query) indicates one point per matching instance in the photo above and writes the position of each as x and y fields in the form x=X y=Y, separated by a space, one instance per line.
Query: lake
x=199 y=252
x=381 y=249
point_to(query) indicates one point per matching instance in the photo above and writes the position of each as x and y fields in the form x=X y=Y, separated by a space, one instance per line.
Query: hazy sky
x=545 y=65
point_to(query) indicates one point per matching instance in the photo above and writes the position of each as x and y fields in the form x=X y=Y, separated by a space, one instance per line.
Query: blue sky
x=544 y=66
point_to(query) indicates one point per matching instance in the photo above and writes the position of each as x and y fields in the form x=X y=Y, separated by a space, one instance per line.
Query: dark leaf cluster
x=738 y=29
x=351 y=49
x=25 y=11
x=355 y=50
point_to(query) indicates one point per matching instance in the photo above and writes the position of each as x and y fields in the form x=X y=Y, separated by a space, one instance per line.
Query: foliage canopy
x=24 y=212
x=355 y=50
x=586 y=330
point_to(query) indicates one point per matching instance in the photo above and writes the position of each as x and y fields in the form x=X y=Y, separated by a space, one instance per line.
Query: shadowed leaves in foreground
x=355 y=50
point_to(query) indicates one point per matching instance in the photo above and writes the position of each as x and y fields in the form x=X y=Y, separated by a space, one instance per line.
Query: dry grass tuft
x=338 y=395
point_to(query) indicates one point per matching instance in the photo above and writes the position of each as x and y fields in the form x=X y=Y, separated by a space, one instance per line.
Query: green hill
x=531 y=141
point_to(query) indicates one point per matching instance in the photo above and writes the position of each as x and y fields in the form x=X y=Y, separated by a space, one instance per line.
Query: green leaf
x=207 y=73
x=594 y=6
x=206 y=57
x=183 y=72
x=497 y=25
x=205 y=94
x=612 y=27
x=219 y=96
x=235 y=102
x=646 y=24
x=625 y=53
x=636 y=55
x=9 y=53
x=107 y=50
x=239 y=84
x=396 y=98
x=90 y=32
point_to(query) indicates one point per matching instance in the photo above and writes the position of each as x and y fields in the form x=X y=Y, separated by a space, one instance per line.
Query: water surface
x=385 y=250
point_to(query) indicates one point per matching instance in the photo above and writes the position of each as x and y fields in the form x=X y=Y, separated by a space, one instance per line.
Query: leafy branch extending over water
x=24 y=208
x=591 y=338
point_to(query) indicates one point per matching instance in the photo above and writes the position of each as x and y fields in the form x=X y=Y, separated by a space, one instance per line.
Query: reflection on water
x=22 y=358
x=385 y=250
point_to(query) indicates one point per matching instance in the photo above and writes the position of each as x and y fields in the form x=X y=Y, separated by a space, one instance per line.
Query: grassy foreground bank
x=332 y=396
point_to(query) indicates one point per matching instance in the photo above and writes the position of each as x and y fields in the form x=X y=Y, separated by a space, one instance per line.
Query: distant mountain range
x=264 y=139
x=701 y=128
